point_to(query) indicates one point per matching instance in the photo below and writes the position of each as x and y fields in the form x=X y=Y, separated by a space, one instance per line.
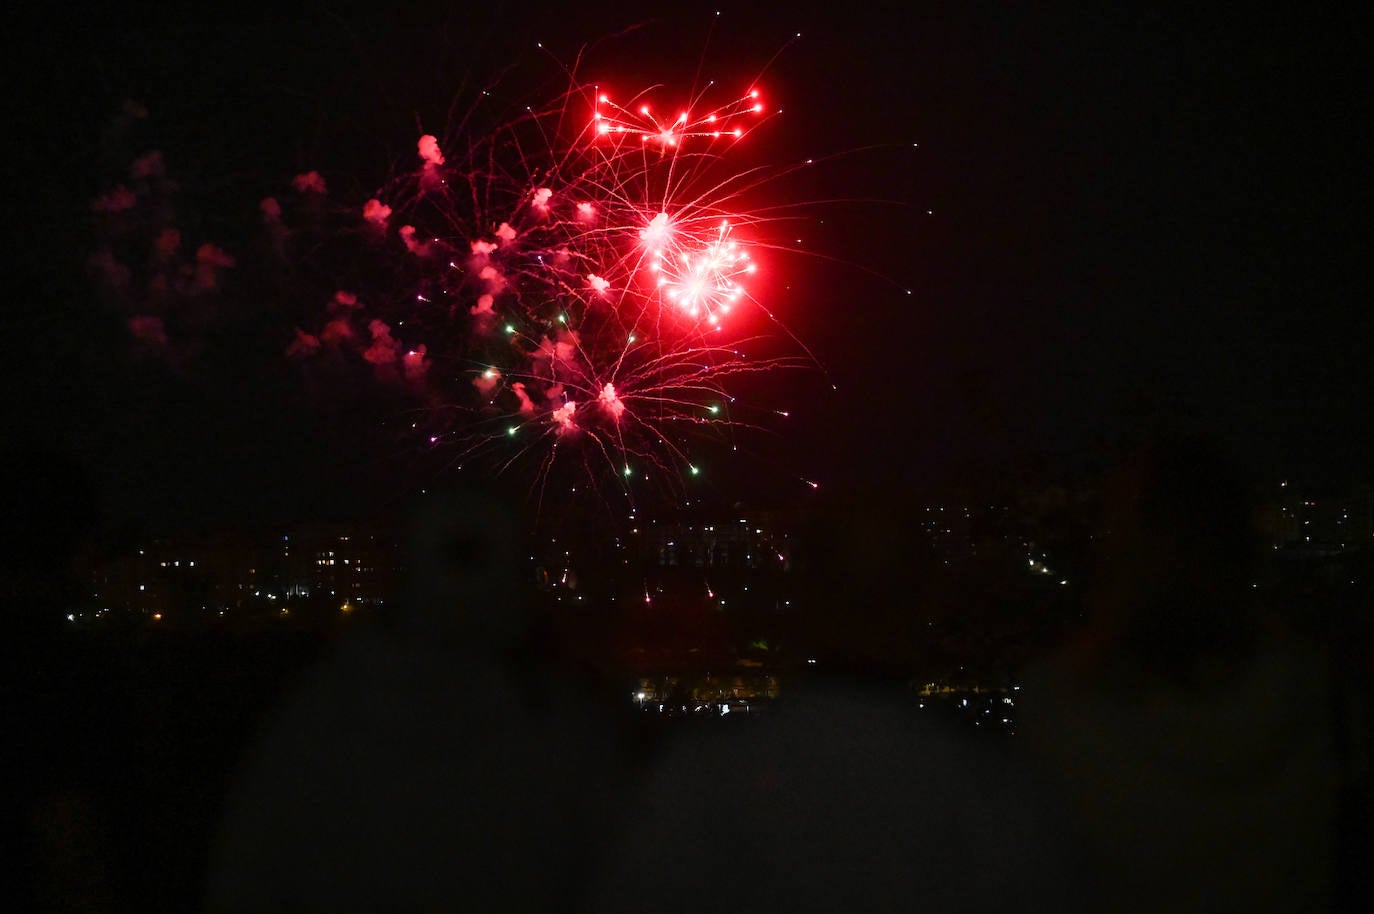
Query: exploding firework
x=612 y=120
x=575 y=283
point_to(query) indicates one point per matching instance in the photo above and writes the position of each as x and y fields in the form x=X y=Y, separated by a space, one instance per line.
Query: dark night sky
x=1139 y=220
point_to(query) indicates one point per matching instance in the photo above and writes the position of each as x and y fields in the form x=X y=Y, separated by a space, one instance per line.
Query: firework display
x=581 y=284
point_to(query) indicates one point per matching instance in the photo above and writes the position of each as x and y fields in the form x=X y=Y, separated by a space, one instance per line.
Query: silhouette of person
x=431 y=763
x=1190 y=734
x=61 y=701
x=841 y=798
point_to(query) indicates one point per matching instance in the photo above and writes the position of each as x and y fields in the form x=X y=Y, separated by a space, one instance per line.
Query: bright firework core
x=701 y=280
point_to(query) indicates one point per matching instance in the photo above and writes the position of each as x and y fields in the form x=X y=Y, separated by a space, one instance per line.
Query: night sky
x=1110 y=223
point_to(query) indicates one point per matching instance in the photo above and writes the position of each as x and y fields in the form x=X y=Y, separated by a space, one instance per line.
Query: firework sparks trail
x=576 y=277
x=610 y=119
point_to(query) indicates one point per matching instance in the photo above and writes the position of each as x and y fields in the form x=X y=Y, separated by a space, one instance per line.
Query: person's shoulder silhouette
x=411 y=770
x=843 y=797
x=1192 y=737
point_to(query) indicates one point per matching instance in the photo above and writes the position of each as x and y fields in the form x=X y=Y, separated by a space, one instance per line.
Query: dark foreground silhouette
x=439 y=762
x=432 y=763
x=845 y=798
x=1193 y=735
x=1187 y=752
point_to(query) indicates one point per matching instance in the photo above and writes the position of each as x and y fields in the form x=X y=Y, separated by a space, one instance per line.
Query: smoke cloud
x=376 y=212
x=305 y=344
x=428 y=147
x=148 y=329
x=116 y=200
x=148 y=165
x=611 y=402
x=309 y=183
x=336 y=331
x=209 y=260
x=563 y=416
x=526 y=404
x=384 y=347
